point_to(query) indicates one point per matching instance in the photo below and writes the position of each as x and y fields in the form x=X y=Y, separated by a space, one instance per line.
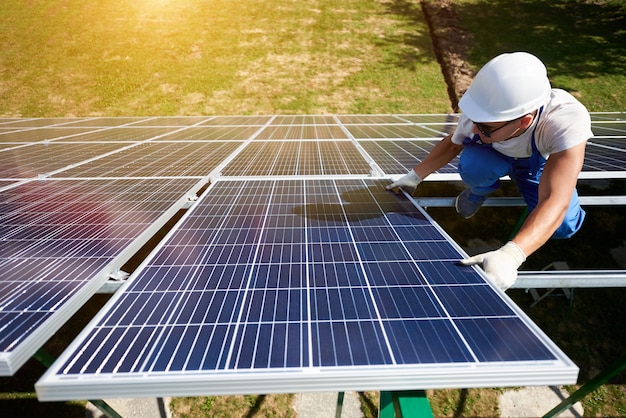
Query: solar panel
x=154 y=159
x=302 y=158
x=41 y=134
x=57 y=238
x=304 y=285
x=40 y=158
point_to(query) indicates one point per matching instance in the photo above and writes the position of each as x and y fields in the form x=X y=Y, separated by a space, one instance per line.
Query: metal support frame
x=397 y=404
x=607 y=374
x=47 y=359
x=339 y=409
x=404 y=403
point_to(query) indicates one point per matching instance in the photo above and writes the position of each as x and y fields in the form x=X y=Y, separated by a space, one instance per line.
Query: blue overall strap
x=536 y=159
x=475 y=140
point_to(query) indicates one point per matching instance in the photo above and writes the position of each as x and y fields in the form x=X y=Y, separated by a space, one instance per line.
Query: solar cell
x=296 y=285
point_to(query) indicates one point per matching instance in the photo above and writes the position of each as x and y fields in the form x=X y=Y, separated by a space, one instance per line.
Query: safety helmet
x=506 y=88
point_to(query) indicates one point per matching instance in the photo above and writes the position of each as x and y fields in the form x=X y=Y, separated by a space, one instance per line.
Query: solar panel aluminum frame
x=11 y=361
x=51 y=387
x=303 y=380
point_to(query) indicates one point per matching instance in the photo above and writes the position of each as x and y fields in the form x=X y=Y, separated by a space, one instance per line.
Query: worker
x=514 y=123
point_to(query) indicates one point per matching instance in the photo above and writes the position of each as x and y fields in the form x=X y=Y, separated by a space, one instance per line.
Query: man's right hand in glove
x=408 y=183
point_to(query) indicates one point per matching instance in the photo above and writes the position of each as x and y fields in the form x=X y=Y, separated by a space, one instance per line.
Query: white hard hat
x=506 y=88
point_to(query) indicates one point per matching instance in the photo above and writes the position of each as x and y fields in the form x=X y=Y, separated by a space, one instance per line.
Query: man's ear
x=527 y=120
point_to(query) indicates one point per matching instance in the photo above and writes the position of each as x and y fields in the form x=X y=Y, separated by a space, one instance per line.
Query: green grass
x=583 y=43
x=217 y=57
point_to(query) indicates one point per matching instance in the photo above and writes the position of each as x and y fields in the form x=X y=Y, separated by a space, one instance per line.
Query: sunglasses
x=489 y=132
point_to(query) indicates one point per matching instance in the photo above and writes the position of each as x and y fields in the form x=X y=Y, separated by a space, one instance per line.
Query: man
x=513 y=123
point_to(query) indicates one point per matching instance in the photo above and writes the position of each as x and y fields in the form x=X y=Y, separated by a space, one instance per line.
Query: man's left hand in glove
x=500 y=265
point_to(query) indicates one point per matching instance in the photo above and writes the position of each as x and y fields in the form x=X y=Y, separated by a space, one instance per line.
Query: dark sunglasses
x=488 y=132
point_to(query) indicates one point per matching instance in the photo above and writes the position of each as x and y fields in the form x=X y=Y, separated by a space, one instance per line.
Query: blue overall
x=481 y=167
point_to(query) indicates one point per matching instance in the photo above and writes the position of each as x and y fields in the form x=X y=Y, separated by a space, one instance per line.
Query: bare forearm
x=539 y=226
x=556 y=188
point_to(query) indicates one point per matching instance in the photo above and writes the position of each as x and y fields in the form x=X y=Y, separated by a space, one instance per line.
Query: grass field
x=190 y=57
x=205 y=57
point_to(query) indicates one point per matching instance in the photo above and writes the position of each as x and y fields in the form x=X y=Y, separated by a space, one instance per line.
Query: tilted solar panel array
x=171 y=158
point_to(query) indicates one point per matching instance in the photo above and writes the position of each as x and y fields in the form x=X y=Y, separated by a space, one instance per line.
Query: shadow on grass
x=578 y=38
x=27 y=408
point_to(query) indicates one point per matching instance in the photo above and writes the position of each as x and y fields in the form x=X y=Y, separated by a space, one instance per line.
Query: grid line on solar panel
x=281 y=275
x=57 y=236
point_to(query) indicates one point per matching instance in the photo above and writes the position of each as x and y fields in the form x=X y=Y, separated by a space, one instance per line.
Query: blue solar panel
x=57 y=237
x=291 y=285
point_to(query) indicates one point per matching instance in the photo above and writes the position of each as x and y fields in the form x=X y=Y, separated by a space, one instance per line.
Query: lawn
x=194 y=57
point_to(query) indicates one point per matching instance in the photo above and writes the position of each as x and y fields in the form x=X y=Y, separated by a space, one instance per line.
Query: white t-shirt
x=564 y=123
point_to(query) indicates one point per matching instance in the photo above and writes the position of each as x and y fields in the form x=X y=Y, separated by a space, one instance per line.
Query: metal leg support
x=340 y=397
x=603 y=377
x=404 y=404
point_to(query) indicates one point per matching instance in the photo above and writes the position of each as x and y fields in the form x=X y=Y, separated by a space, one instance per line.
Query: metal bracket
x=568 y=293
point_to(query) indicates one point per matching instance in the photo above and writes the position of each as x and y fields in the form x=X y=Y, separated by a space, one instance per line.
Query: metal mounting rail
x=518 y=201
x=570 y=279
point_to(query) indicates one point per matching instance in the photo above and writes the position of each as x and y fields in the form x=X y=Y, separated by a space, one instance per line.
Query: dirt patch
x=451 y=43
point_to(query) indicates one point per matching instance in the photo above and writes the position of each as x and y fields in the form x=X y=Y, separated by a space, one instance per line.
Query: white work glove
x=500 y=265
x=408 y=183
